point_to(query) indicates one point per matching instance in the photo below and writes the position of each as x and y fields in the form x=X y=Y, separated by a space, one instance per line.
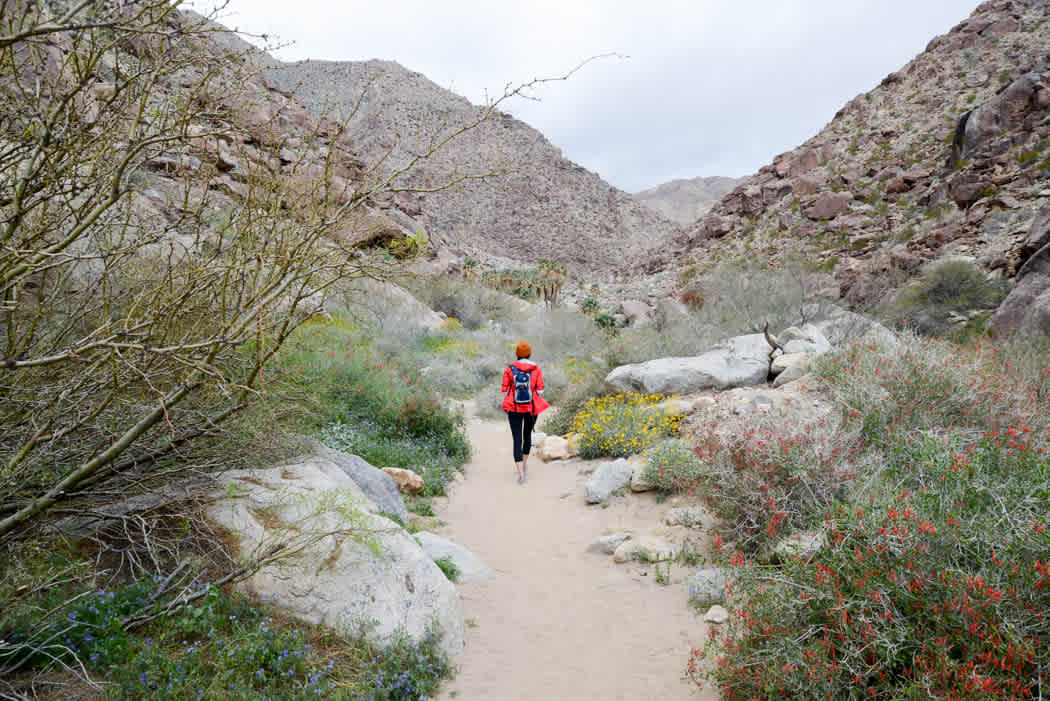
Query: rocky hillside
x=685 y=201
x=542 y=205
x=949 y=156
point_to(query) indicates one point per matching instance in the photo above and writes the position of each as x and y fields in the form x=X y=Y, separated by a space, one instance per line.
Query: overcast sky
x=705 y=87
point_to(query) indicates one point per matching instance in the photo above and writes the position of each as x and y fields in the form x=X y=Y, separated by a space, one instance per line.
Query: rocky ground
x=541 y=205
x=949 y=156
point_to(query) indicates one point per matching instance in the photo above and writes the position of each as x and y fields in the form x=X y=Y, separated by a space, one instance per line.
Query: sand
x=554 y=621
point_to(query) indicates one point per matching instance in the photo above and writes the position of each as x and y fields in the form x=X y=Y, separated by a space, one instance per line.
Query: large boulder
x=828 y=205
x=740 y=361
x=377 y=485
x=805 y=339
x=841 y=326
x=467 y=563
x=1026 y=310
x=1038 y=235
x=636 y=312
x=606 y=479
x=335 y=560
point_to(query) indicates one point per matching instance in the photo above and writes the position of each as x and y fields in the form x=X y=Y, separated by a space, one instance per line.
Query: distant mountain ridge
x=541 y=205
x=685 y=200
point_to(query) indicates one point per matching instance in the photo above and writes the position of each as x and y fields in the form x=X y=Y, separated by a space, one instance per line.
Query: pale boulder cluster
x=743 y=379
x=343 y=559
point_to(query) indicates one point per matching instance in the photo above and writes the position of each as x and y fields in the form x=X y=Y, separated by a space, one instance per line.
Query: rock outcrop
x=340 y=563
x=948 y=156
x=742 y=360
x=606 y=479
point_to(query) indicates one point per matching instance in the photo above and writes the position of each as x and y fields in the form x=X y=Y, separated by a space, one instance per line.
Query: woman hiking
x=523 y=387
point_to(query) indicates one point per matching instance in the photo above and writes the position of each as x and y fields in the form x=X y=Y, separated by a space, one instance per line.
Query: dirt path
x=556 y=622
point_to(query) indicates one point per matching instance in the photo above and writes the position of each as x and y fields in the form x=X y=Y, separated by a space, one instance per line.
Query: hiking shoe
x=521 y=480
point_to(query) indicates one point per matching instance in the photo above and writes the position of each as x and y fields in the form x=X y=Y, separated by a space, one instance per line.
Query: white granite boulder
x=804 y=339
x=337 y=561
x=740 y=361
x=606 y=479
x=470 y=567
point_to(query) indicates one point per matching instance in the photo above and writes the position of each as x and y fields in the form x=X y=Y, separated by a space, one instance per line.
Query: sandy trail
x=556 y=622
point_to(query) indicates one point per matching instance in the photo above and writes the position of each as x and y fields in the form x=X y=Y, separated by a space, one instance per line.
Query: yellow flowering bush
x=622 y=424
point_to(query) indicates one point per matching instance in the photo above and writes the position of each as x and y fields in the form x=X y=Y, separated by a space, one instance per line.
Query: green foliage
x=219 y=646
x=407 y=671
x=372 y=406
x=621 y=425
x=419 y=505
x=943 y=289
x=673 y=466
x=409 y=247
x=605 y=322
x=446 y=565
x=931 y=494
x=589 y=306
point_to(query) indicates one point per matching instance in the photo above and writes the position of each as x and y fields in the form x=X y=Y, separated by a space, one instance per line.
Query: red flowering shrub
x=935 y=581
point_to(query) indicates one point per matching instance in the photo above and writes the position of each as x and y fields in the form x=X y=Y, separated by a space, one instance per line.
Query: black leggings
x=521 y=425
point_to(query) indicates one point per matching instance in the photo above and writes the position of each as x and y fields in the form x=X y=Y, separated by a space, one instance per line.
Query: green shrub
x=943 y=289
x=605 y=322
x=931 y=587
x=589 y=306
x=673 y=466
x=450 y=569
x=621 y=425
x=931 y=493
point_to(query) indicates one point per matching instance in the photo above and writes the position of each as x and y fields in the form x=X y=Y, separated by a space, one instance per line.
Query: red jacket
x=539 y=404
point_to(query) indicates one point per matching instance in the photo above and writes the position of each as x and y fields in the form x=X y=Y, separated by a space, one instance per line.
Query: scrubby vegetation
x=622 y=424
x=931 y=491
x=220 y=646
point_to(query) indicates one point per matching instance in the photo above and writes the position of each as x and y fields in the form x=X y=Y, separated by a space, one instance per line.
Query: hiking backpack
x=522 y=385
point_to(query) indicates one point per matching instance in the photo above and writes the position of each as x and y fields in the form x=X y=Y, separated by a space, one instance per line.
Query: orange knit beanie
x=524 y=350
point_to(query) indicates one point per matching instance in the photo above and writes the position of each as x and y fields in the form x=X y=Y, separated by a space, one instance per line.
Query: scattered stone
x=647 y=548
x=408 y=482
x=607 y=544
x=716 y=614
x=689 y=516
x=606 y=479
x=636 y=313
x=789 y=360
x=553 y=448
x=799 y=546
x=707 y=587
x=828 y=205
x=638 y=481
x=470 y=568
x=791 y=374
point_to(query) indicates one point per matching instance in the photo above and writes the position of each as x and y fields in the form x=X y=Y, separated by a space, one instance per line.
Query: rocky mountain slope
x=685 y=200
x=542 y=205
x=949 y=156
